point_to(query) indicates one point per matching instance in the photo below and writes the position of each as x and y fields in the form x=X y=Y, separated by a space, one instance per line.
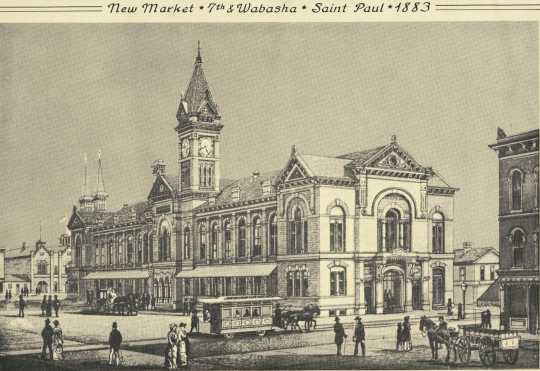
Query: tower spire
x=85 y=200
x=199 y=58
x=100 y=197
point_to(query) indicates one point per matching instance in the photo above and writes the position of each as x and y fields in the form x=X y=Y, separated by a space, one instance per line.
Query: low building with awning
x=117 y=275
x=230 y=279
x=490 y=297
x=123 y=281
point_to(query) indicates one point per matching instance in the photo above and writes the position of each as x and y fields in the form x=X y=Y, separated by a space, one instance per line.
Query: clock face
x=185 y=148
x=206 y=147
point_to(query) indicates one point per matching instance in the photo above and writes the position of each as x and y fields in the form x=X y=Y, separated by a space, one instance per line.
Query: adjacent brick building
x=518 y=228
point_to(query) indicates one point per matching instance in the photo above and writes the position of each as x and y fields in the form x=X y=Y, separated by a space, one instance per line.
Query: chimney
x=236 y=194
x=255 y=175
x=158 y=167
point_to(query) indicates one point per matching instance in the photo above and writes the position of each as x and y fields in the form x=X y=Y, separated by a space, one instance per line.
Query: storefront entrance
x=393 y=291
x=417 y=295
x=438 y=287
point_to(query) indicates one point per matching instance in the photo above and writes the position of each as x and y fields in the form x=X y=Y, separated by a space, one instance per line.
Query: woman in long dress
x=182 y=345
x=58 y=341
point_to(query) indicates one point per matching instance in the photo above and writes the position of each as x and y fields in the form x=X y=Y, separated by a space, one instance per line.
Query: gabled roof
x=127 y=214
x=359 y=157
x=436 y=180
x=332 y=167
x=468 y=256
x=18 y=252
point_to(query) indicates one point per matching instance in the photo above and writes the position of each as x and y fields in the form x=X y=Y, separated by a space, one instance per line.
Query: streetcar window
x=227 y=313
x=247 y=313
x=237 y=313
x=256 y=311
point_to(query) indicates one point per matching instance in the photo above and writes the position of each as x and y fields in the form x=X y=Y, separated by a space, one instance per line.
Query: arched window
x=151 y=247
x=130 y=250
x=516 y=180
x=297 y=281
x=392 y=229
x=227 y=239
x=88 y=255
x=164 y=251
x=202 y=241
x=119 y=249
x=437 y=233
x=139 y=249
x=241 y=237
x=518 y=245
x=214 y=241
x=187 y=243
x=42 y=267
x=97 y=253
x=273 y=243
x=338 y=281
x=257 y=237
x=337 y=229
x=145 y=248
x=298 y=232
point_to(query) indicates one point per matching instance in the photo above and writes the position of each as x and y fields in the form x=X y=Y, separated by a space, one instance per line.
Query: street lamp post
x=464 y=290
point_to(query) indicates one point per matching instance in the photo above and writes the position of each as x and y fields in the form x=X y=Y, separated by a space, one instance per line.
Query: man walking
x=47 y=335
x=115 y=340
x=359 y=337
x=194 y=322
x=49 y=306
x=460 y=311
x=340 y=335
x=44 y=305
x=21 y=306
x=56 y=305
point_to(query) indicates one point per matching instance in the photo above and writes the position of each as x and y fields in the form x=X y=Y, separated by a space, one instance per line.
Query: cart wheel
x=228 y=336
x=487 y=353
x=261 y=333
x=511 y=356
x=463 y=347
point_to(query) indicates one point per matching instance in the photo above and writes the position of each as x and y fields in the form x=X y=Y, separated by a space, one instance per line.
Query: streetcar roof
x=238 y=299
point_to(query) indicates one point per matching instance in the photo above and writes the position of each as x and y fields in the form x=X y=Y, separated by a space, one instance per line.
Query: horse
x=291 y=317
x=436 y=335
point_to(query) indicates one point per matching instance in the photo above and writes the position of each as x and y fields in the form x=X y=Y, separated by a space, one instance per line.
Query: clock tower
x=198 y=130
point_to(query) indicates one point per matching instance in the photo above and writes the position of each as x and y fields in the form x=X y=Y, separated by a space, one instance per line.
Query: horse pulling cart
x=488 y=342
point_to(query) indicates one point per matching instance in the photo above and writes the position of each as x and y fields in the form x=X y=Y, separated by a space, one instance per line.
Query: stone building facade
x=518 y=228
x=369 y=231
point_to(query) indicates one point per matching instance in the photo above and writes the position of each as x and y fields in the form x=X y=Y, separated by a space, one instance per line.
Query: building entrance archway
x=393 y=291
x=42 y=287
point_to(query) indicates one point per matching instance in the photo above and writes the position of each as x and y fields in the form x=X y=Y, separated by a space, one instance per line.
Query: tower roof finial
x=199 y=58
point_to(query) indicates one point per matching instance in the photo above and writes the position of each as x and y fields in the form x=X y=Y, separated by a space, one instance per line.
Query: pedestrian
x=359 y=337
x=49 y=306
x=194 y=322
x=44 y=305
x=115 y=340
x=183 y=346
x=172 y=350
x=56 y=305
x=153 y=300
x=277 y=316
x=10 y=296
x=488 y=318
x=21 y=306
x=449 y=307
x=340 y=335
x=399 y=338
x=483 y=319
x=47 y=335
x=7 y=296
x=58 y=341
x=406 y=335
x=460 y=311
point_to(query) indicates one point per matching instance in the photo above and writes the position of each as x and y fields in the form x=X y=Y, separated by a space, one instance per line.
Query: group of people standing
x=48 y=304
x=176 y=353
x=403 y=336
x=359 y=337
x=53 y=341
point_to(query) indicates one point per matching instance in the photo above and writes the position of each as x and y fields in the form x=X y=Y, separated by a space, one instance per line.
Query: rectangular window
x=518 y=257
x=187 y=287
x=482 y=273
x=242 y=286
x=227 y=242
x=492 y=272
x=338 y=283
x=297 y=284
x=290 y=283
x=461 y=274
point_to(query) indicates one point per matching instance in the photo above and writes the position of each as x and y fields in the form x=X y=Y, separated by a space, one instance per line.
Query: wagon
x=231 y=315
x=488 y=342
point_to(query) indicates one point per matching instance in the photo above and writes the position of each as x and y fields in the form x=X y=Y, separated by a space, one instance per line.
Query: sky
x=70 y=89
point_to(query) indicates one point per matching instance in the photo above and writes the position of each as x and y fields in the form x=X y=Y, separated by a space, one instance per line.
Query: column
x=379 y=296
x=264 y=235
x=51 y=273
x=208 y=246
x=360 y=297
x=408 y=294
x=249 y=236
x=425 y=285
x=400 y=232
x=383 y=237
x=234 y=242
x=220 y=240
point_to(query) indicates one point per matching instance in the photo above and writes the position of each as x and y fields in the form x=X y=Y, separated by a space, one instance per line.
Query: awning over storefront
x=490 y=297
x=117 y=275
x=229 y=270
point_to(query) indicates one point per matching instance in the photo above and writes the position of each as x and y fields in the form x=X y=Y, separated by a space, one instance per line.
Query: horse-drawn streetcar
x=229 y=315
x=490 y=341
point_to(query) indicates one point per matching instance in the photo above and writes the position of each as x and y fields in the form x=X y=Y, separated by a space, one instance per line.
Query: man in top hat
x=47 y=335
x=359 y=336
x=339 y=335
